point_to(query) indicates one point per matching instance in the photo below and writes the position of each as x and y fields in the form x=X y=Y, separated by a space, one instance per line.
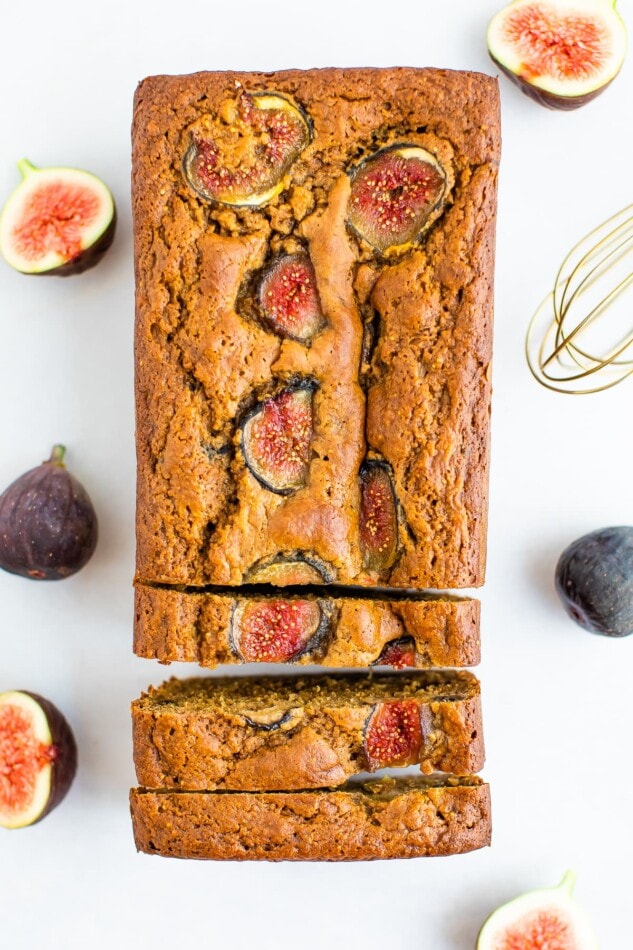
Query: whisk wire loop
x=563 y=358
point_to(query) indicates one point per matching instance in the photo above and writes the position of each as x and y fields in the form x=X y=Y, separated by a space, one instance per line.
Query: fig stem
x=57 y=455
x=26 y=168
x=567 y=883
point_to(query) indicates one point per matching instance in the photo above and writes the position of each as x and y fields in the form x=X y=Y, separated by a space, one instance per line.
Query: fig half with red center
x=378 y=518
x=399 y=654
x=393 y=734
x=277 y=631
x=288 y=298
x=48 y=526
x=276 y=440
x=394 y=196
x=38 y=758
x=547 y=919
x=242 y=155
x=57 y=221
x=562 y=53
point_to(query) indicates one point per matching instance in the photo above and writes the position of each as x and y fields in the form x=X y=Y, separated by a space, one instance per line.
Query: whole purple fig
x=48 y=526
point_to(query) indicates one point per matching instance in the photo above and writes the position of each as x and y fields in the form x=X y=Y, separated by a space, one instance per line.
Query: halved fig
x=286 y=570
x=288 y=298
x=399 y=654
x=276 y=439
x=57 y=221
x=242 y=155
x=378 y=517
x=562 y=53
x=277 y=631
x=38 y=758
x=549 y=917
x=393 y=734
x=394 y=195
x=48 y=526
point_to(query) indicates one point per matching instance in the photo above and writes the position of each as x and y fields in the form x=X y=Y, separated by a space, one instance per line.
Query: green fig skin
x=48 y=526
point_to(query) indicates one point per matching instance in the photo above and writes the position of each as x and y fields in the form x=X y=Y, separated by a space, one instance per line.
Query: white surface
x=556 y=699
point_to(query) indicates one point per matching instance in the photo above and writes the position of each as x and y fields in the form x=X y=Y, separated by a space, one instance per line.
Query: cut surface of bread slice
x=403 y=818
x=304 y=732
x=212 y=629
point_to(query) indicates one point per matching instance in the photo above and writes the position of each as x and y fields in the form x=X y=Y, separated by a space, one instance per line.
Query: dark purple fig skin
x=87 y=259
x=65 y=763
x=268 y=726
x=594 y=579
x=549 y=99
x=48 y=526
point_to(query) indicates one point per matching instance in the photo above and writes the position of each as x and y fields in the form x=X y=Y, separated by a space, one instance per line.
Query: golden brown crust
x=307 y=732
x=312 y=826
x=201 y=516
x=190 y=627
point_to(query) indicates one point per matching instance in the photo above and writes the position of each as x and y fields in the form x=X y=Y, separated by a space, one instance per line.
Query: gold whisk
x=567 y=318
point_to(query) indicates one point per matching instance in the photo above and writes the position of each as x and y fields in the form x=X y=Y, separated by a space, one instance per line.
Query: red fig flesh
x=57 y=221
x=38 y=758
x=378 y=518
x=393 y=734
x=244 y=153
x=394 y=195
x=288 y=298
x=276 y=440
x=399 y=654
x=275 y=630
x=562 y=53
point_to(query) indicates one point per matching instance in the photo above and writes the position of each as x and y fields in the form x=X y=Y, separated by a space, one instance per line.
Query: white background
x=557 y=700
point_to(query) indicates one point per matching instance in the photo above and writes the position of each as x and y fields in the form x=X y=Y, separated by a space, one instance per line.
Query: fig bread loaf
x=214 y=629
x=314 y=262
x=403 y=818
x=263 y=734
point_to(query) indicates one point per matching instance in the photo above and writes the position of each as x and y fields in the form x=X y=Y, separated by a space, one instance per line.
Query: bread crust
x=345 y=825
x=421 y=402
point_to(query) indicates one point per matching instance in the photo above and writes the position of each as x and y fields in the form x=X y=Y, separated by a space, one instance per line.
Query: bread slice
x=309 y=732
x=404 y=818
x=207 y=628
